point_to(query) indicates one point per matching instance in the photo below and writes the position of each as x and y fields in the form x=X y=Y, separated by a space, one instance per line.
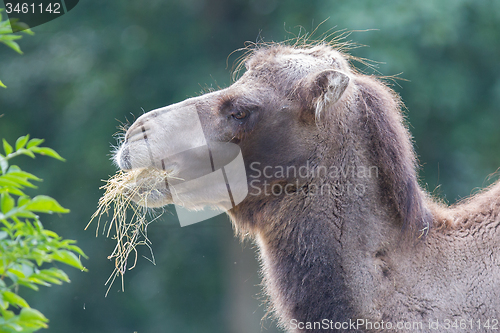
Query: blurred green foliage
x=25 y=245
x=90 y=70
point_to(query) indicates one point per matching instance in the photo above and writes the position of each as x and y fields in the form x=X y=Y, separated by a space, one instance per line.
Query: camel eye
x=240 y=115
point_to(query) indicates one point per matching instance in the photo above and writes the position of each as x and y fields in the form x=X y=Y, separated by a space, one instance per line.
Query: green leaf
x=68 y=258
x=2 y=85
x=7 y=148
x=10 y=37
x=25 y=214
x=47 y=278
x=36 y=279
x=15 y=299
x=56 y=273
x=50 y=233
x=6 y=203
x=21 y=141
x=45 y=204
x=19 y=180
x=4 y=181
x=47 y=151
x=13 y=45
x=33 y=316
x=76 y=249
x=15 y=171
x=17 y=273
x=28 y=31
x=34 y=143
x=28 y=285
x=15 y=191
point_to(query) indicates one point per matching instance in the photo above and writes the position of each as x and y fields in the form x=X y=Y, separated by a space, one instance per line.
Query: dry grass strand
x=130 y=230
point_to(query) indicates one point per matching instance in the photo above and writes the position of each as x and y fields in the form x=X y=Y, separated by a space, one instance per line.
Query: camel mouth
x=147 y=187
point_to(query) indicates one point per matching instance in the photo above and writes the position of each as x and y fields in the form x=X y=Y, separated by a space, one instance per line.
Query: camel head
x=269 y=115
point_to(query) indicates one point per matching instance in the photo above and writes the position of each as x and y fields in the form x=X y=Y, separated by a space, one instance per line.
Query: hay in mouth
x=128 y=190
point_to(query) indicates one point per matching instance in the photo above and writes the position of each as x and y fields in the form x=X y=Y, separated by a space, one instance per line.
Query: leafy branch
x=26 y=248
x=8 y=38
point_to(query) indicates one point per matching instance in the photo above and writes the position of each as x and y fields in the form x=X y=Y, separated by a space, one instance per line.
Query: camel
x=348 y=240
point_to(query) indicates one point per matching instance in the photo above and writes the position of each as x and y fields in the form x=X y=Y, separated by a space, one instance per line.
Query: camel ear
x=329 y=86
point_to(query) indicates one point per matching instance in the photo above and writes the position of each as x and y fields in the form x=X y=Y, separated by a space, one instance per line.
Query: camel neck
x=304 y=276
x=318 y=257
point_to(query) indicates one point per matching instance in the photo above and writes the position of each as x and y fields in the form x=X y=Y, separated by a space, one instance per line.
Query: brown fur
x=390 y=253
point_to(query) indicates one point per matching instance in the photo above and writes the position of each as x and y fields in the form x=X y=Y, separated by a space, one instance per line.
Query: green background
x=102 y=63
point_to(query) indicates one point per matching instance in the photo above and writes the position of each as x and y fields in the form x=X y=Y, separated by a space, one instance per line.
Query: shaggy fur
x=349 y=245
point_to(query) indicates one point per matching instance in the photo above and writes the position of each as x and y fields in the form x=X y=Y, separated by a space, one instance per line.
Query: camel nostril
x=136 y=132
